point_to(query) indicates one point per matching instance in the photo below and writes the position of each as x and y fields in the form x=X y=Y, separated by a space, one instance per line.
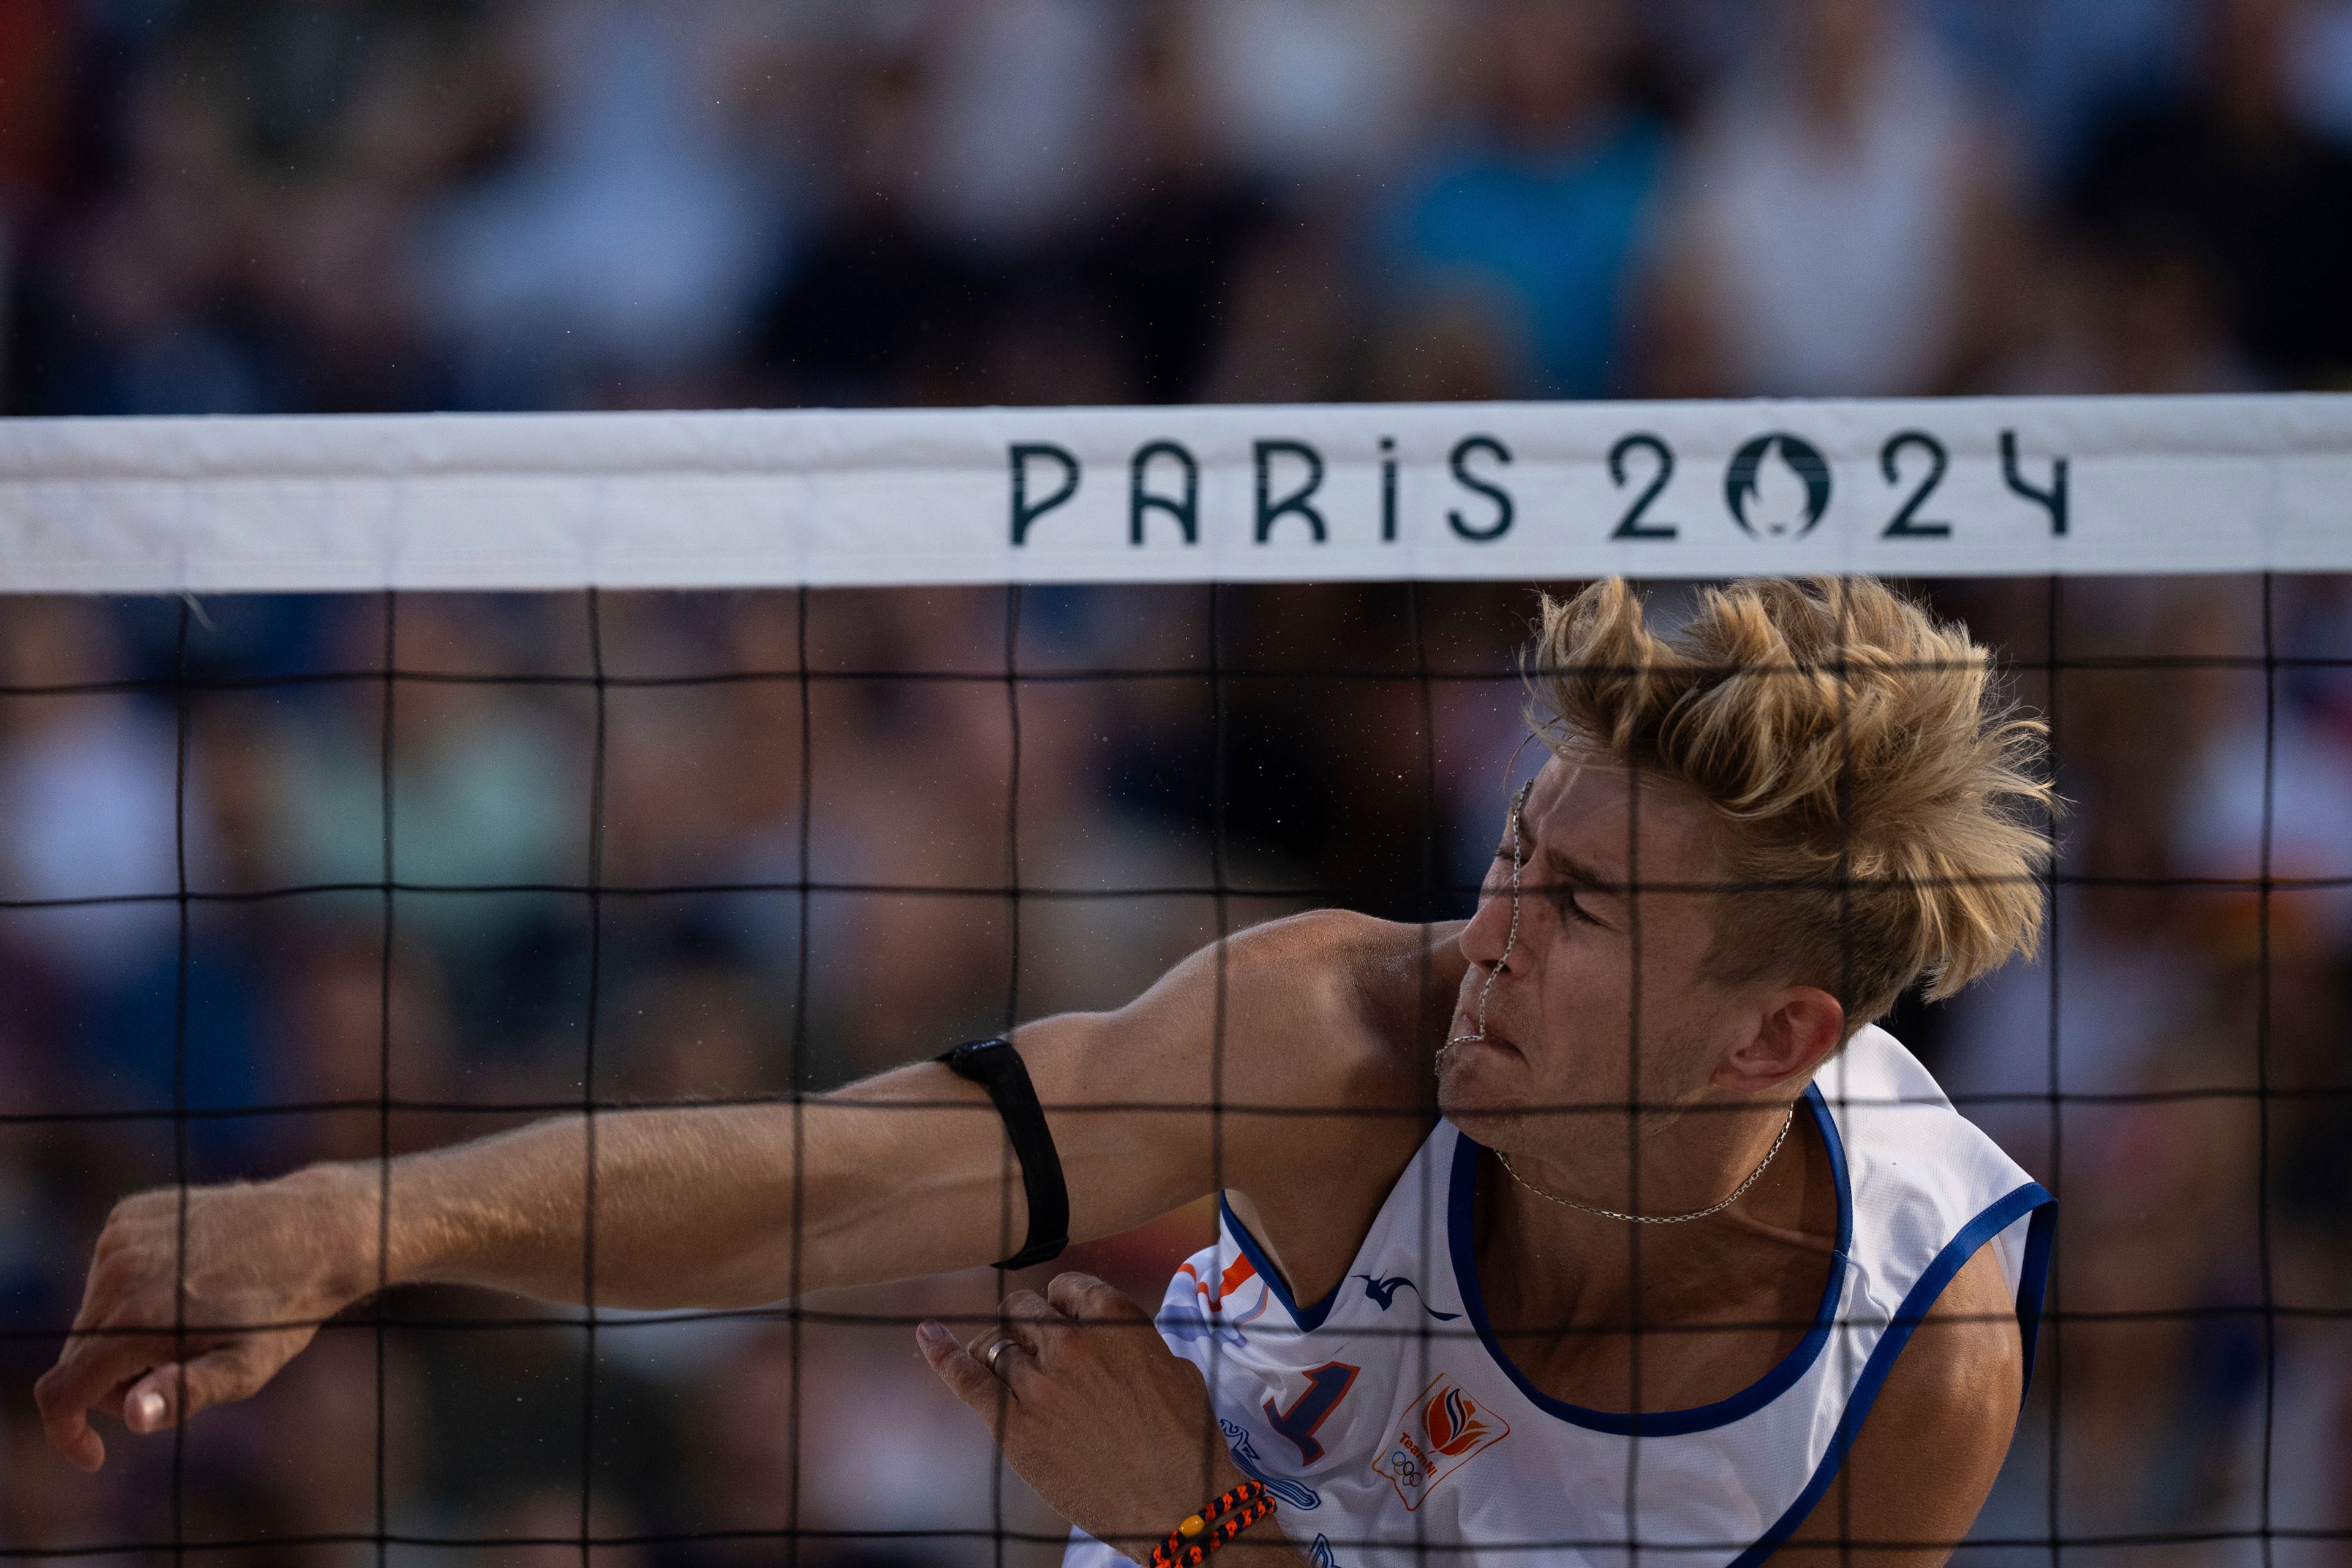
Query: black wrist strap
x=997 y=1068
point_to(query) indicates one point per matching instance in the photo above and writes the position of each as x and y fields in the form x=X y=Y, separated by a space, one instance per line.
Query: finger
x=1003 y=1357
x=1084 y=1298
x=1033 y=1324
x=171 y=1393
x=1028 y=1314
x=69 y=1433
x=91 y=1367
x=959 y=1370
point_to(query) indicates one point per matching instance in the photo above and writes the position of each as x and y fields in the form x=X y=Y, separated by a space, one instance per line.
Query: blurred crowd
x=337 y=205
x=265 y=206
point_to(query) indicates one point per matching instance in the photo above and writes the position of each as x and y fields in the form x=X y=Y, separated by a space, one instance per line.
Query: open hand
x=266 y=1263
x=1111 y=1427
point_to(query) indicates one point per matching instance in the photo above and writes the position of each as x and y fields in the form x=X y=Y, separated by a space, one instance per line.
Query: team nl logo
x=1444 y=1431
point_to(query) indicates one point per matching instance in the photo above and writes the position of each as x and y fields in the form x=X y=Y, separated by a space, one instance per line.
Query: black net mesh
x=301 y=879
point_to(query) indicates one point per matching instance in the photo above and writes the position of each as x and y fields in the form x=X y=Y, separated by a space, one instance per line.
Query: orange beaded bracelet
x=1190 y=1543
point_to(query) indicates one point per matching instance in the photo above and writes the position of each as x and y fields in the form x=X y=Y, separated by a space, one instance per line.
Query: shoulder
x=1363 y=949
x=1963 y=1371
x=1327 y=1010
x=1938 y=1431
x=1356 y=1002
x=1310 y=1037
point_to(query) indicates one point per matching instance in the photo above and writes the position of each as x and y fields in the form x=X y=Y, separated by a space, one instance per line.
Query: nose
x=1486 y=939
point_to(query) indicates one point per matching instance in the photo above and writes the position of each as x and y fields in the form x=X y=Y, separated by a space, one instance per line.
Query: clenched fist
x=266 y=1264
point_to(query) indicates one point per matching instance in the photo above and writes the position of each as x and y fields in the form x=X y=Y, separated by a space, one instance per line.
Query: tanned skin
x=903 y=1175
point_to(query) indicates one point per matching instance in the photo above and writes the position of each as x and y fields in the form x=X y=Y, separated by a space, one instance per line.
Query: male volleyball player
x=1790 y=1301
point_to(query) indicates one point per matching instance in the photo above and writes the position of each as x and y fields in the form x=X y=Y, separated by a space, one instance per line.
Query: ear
x=1800 y=1026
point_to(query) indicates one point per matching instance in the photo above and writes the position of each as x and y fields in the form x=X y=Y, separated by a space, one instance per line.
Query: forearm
x=677 y=1209
x=695 y=1206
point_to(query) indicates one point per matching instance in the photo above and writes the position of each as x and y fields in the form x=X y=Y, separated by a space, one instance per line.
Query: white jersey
x=1395 y=1429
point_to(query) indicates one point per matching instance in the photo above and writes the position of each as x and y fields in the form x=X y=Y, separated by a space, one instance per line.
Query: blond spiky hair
x=1883 y=800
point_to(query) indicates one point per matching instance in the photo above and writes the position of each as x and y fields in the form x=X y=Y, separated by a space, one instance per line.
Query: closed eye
x=1562 y=894
x=1563 y=898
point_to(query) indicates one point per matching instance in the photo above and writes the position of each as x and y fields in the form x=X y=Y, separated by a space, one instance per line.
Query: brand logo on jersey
x=1444 y=1431
x=1384 y=1292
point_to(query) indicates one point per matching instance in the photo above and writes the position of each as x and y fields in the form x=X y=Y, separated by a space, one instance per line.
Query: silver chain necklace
x=1510 y=945
x=1658 y=1218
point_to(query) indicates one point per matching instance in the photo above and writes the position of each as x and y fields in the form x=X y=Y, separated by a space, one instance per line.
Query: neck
x=1570 y=1266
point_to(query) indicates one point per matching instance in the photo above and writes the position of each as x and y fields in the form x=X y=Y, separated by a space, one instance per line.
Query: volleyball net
x=368 y=783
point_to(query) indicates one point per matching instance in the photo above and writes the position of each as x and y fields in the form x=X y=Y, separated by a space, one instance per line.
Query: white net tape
x=1916 y=488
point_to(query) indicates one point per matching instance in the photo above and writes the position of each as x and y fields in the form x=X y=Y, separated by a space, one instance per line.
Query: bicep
x=1934 y=1440
x=912 y=1173
x=1149 y=1107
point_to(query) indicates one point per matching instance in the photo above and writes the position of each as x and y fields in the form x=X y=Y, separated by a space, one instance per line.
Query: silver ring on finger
x=991 y=1355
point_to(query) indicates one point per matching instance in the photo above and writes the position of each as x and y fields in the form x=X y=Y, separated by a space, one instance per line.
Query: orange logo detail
x=1237 y=1273
x=1452 y=1424
x=1443 y=1431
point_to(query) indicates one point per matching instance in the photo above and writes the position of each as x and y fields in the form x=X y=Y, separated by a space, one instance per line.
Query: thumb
x=971 y=1382
x=170 y=1394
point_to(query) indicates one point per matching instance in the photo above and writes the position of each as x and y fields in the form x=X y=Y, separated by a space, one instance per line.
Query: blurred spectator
x=629 y=235
x=2319 y=60
x=2065 y=66
x=484 y=789
x=2266 y=201
x=138 y=314
x=1010 y=153
x=1169 y=246
x=90 y=796
x=876 y=297
x=352 y=1027
x=1316 y=90
x=1536 y=215
x=1294 y=322
x=39 y=49
x=1842 y=225
x=2132 y=307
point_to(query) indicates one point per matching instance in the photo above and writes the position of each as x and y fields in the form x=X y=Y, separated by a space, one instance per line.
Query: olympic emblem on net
x=1444 y=1430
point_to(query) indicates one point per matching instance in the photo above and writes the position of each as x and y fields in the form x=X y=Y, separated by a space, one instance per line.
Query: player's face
x=1603 y=996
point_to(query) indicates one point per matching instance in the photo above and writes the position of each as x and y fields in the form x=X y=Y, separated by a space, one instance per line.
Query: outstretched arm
x=904 y=1175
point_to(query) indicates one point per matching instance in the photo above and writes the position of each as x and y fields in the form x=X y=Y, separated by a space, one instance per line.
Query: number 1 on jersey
x=1326 y=1386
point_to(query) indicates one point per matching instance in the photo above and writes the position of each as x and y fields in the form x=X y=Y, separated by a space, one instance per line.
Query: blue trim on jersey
x=1309 y=1317
x=2040 y=1232
x=2031 y=1197
x=1462 y=1224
